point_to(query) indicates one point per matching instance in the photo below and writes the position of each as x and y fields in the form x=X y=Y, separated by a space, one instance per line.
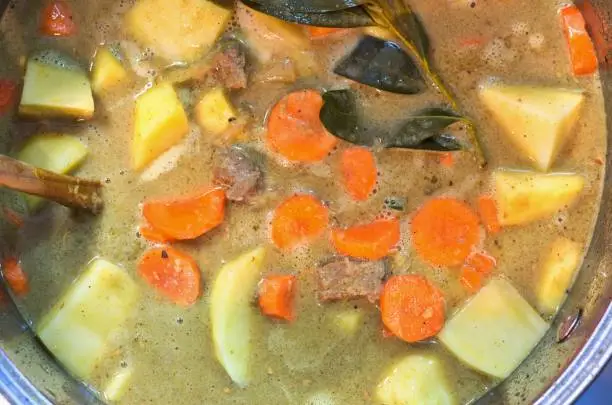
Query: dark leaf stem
x=70 y=191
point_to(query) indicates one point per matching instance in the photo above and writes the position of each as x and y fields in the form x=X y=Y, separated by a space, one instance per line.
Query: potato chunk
x=232 y=314
x=415 y=380
x=55 y=92
x=160 y=122
x=215 y=112
x=77 y=329
x=107 y=71
x=524 y=197
x=54 y=152
x=495 y=330
x=179 y=30
x=558 y=270
x=537 y=120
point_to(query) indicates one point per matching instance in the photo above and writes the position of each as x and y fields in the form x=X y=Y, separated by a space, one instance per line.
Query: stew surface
x=268 y=241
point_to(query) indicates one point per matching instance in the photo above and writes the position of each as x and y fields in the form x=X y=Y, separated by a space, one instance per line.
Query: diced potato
x=180 y=30
x=215 y=112
x=558 y=270
x=495 y=330
x=119 y=383
x=160 y=122
x=524 y=197
x=77 y=329
x=53 y=91
x=415 y=380
x=54 y=152
x=231 y=313
x=107 y=71
x=537 y=119
x=348 y=321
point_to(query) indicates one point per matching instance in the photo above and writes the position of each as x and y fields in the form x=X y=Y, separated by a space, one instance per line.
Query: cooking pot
x=568 y=359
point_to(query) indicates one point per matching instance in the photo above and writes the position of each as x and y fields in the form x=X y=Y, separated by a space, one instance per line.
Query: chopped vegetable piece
x=119 y=383
x=153 y=235
x=524 y=197
x=447 y=159
x=415 y=380
x=538 y=120
x=107 y=71
x=412 y=307
x=276 y=296
x=471 y=279
x=348 y=320
x=188 y=216
x=359 y=172
x=558 y=271
x=295 y=130
x=78 y=327
x=323 y=32
x=581 y=48
x=8 y=94
x=173 y=273
x=231 y=314
x=298 y=220
x=160 y=123
x=52 y=91
x=495 y=330
x=214 y=113
x=180 y=31
x=444 y=231
x=15 y=276
x=57 y=20
x=477 y=266
x=487 y=208
x=54 y=152
x=371 y=241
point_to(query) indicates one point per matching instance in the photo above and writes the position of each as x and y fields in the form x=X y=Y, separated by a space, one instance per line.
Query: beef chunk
x=345 y=279
x=237 y=172
x=228 y=68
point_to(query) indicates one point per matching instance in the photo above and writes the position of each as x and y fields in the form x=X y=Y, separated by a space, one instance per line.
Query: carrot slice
x=371 y=241
x=8 y=94
x=471 y=279
x=581 y=48
x=15 y=276
x=153 y=235
x=298 y=220
x=322 y=32
x=444 y=231
x=276 y=296
x=359 y=172
x=447 y=159
x=186 y=217
x=173 y=273
x=481 y=262
x=412 y=307
x=487 y=208
x=57 y=19
x=295 y=130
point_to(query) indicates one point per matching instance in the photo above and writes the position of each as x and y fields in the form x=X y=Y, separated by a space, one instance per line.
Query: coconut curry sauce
x=295 y=215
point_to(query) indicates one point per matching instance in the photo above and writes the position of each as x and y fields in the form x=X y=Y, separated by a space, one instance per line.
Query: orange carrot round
x=444 y=231
x=15 y=276
x=359 y=173
x=153 y=235
x=412 y=308
x=173 y=273
x=186 y=217
x=582 y=51
x=57 y=20
x=371 y=241
x=295 y=130
x=298 y=220
x=276 y=296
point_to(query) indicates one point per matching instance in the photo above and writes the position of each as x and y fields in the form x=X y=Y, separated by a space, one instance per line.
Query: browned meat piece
x=237 y=172
x=344 y=279
x=228 y=68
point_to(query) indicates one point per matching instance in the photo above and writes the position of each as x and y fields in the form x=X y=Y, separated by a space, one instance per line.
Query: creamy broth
x=169 y=347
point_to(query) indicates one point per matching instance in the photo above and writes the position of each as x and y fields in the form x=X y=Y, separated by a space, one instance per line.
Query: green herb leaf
x=339 y=116
x=310 y=6
x=344 y=18
x=423 y=126
x=383 y=65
